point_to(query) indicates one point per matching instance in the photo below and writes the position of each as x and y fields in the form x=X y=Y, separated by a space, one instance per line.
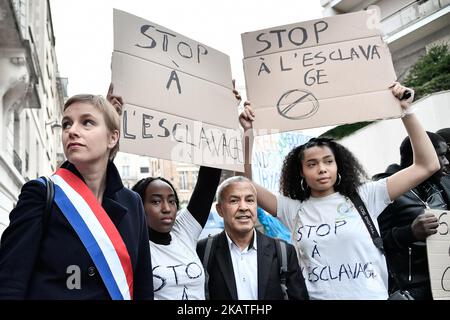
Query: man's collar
x=252 y=245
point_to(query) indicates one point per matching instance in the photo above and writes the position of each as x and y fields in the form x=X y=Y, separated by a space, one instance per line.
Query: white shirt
x=336 y=253
x=177 y=270
x=245 y=268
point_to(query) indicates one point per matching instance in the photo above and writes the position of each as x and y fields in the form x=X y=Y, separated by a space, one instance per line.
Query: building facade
x=384 y=137
x=183 y=176
x=410 y=27
x=31 y=98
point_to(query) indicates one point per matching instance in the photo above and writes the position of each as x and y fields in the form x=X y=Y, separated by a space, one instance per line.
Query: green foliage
x=431 y=73
x=344 y=130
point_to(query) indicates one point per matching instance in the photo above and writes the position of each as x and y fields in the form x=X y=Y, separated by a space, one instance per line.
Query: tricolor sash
x=97 y=233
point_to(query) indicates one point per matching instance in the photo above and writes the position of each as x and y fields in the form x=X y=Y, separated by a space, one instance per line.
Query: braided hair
x=141 y=186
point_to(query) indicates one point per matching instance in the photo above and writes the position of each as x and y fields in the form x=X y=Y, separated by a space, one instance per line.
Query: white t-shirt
x=337 y=255
x=177 y=270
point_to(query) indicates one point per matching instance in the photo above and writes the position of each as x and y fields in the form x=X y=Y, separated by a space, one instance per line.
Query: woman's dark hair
x=351 y=172
x=141 y=186
x=406 y=152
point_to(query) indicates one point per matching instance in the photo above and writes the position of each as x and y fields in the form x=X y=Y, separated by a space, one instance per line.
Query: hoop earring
x=338 y=180
x=301 y=185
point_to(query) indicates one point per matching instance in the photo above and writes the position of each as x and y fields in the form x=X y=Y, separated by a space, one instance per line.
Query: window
x=183 y=180
x=27 y=142
x=125 y=171
x=194 y=177
x=145 y=170
x=155 y=167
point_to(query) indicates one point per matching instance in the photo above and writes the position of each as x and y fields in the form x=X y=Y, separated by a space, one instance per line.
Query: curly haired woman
x=318 y=180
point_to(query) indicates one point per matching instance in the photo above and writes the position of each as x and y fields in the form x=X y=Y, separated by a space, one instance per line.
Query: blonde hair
x=111 y=115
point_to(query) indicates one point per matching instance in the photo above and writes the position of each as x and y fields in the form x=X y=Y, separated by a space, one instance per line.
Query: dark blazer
x=30 y=269
x=222 y=285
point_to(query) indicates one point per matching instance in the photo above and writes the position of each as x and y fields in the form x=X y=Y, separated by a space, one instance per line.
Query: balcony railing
x=410 y=14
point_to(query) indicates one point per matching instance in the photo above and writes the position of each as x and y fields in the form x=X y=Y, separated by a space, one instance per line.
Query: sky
x=84 y=30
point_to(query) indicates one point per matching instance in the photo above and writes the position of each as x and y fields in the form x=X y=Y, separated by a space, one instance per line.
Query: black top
x=199 y=204
x=222 y=283
x=406 y=256
x=35 y=270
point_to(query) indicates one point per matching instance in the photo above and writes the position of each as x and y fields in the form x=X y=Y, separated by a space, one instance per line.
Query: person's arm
x=205 y=188
x=203 y=195
x=425 y=160
x=396 y=238
x=20 y=243
x=266 y=199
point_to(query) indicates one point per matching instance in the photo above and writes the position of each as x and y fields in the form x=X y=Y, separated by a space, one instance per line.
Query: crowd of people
x=92 y=238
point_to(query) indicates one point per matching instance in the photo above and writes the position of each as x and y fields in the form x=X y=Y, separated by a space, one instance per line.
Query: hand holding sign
x=178 y=95
x=329 y=71
x=247 y=117
x=116 y=101
x=405 y=95
x=236 y=93
x=424 y=225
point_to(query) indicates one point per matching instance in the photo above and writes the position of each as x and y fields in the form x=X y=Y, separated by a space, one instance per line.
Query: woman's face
x=85 y=137
x=319 y=170
x=160 y=206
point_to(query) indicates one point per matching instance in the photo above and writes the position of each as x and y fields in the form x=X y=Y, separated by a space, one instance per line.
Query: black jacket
x=33 y=270
x=406 y=256
x=222 y=285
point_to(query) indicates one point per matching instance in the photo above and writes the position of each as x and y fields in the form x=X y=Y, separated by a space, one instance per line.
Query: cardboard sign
x=170 y=82
x=438 y=250
x=322 y=72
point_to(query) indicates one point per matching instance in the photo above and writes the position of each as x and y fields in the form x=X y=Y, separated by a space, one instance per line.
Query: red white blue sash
x=97 y=232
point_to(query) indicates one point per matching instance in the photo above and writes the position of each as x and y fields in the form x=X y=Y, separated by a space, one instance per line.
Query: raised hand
x=247 y=117
x=236 y=93
x=116 y=101
x=424 y=225
x=399 y=92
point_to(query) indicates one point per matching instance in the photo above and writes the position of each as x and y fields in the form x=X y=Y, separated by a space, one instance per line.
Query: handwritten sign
x=268 y=155
x=178 y=94
x=269 y=152
x=328 y=71
x=438 y=250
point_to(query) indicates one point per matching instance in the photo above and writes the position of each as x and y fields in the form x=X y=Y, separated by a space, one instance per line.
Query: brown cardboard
x=144 y=83
x=344 y=78
x=149 y=132
x=171 y=49
x=154 y=71
x=339 y=28
x=438 y=250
